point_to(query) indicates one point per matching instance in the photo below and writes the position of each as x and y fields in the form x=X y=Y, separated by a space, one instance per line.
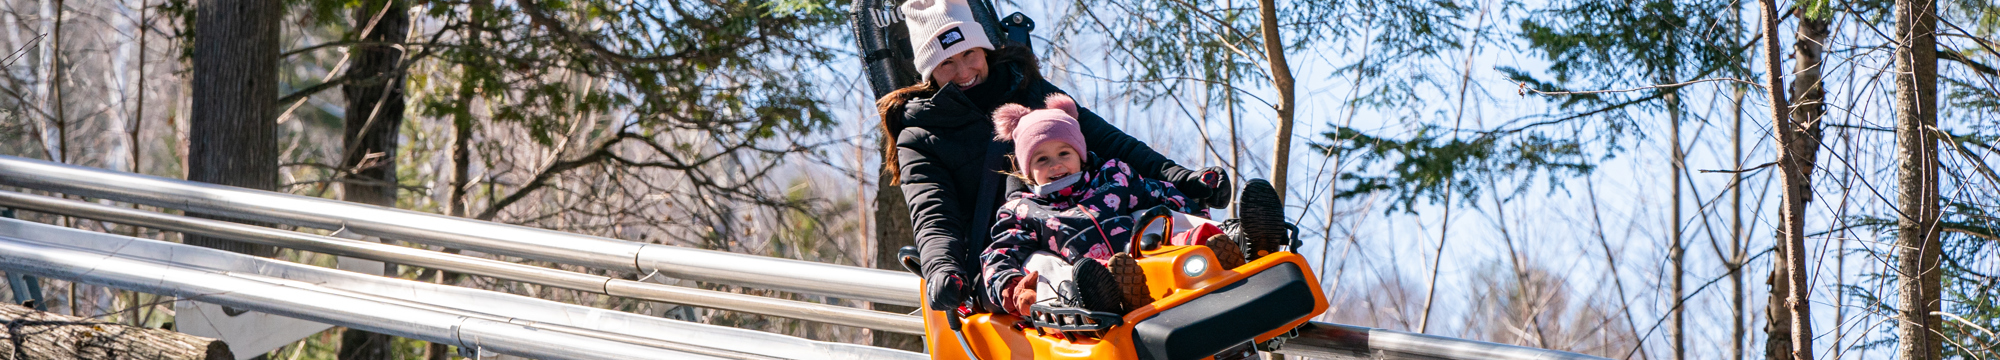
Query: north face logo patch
x=949 y=38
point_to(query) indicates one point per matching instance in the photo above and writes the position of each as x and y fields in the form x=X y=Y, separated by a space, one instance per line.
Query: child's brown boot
x=1131 y=281
x=1228 y=254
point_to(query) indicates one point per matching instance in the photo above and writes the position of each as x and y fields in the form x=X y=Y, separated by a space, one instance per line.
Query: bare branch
x=1753 y=168
x=1524 y=89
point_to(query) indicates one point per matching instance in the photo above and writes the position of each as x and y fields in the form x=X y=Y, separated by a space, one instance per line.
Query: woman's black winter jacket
x=951 y=167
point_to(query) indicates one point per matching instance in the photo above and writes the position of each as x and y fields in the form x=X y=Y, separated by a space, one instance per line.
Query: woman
x=946 y=157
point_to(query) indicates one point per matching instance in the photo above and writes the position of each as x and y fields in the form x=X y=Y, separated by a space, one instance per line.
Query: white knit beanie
x=940 y=29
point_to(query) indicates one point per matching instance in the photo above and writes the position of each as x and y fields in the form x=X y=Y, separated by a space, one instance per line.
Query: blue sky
x=1555 y=227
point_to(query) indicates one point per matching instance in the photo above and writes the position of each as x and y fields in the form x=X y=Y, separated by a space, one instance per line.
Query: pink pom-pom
x=1005 y=118
x=1064 y=102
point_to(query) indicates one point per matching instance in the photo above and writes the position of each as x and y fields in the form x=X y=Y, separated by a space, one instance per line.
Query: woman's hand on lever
x=946 y=290
x=1212 y=181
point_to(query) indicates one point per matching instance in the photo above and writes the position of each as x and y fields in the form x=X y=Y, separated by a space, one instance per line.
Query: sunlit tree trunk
x=1676 y=249
x=1281 y=78
x=1736 y=239
x=1796 y=150
x=1917 y=251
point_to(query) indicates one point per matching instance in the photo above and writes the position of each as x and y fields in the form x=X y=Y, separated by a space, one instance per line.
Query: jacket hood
x=948 y=108
x=951 y=107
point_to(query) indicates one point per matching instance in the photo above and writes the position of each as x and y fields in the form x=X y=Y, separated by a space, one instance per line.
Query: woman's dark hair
x=891 y=106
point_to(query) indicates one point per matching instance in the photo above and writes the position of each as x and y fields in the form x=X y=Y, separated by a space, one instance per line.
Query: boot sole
x=1262 y=217
x=1228 y=254
x=1131 y=281
x=1099 y=288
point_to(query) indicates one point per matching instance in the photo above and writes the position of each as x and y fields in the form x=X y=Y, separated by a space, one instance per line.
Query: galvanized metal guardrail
x=477 y=320
x=1343 y=342
x=472 y=265
x=1319 y=340
x=850 y=282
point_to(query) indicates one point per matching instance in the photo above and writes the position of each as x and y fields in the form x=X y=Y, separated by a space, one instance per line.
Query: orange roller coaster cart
x=1199 y=311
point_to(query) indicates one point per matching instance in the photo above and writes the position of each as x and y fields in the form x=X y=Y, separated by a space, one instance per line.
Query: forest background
x=1601 y=177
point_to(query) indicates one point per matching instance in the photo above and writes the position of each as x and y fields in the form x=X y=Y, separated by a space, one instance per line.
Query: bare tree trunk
x=1796 y=150
x=461 y=158
x=892 y=232
x=1235 y=134
x=1281 y=78
x=374 y=113
x=1778 y=320
x=232 y=138
x=1676 y=250
x=1917 y=252
x=63 y=125
x=138 y=123
x=1736 y=240
x=374 y=117
x=139 y=107
x=56 y=94
x=461 y=153
x=1430 y=290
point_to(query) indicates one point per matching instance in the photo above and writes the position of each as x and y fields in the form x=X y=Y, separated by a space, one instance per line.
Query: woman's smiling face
x=964 y=69
x=1053 y=160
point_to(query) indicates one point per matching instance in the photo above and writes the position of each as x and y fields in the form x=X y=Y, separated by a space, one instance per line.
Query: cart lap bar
x=1226 y=317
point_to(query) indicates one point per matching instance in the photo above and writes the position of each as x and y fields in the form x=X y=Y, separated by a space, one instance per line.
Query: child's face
x=1053 y=160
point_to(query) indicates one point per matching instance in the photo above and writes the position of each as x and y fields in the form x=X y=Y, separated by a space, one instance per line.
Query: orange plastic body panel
x=993 y=337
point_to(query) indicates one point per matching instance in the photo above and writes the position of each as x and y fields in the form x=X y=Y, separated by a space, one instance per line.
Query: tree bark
x=1676 y=249
x=374 y=113
x=1917 y=248
x=1798 y=152
x=1281 y=78
x=28 y=334
x=232 y=137
x=1778 y=325
x=139 y=107
x=1796 y=149
x=55 y=91
x=374 y=116
x=461 y=154
x=892 y=232
x=1736 y=240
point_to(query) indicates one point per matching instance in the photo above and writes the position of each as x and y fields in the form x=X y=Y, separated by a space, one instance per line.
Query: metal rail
x=472 y=265
x=1316 y=339
x=473 y=319
x=881 y=286
x=1343 y=342
x=304 y=303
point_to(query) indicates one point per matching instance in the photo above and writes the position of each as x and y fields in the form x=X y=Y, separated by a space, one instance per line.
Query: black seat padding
x=1226 y=317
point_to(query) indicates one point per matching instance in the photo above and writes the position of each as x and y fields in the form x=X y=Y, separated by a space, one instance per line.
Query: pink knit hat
x=1029 y=128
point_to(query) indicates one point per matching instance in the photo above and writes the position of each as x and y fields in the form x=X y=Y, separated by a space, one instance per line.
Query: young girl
x=1074 y=222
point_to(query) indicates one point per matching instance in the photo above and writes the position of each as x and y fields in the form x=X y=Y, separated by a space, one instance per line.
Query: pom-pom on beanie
x=1030 y=128
x=940 y=29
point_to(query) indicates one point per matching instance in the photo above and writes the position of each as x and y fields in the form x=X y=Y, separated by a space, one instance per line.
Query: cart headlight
x=1195 y=266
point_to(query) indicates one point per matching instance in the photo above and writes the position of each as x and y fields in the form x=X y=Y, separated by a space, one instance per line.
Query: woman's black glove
x=946 y=290
x=1211 y=185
